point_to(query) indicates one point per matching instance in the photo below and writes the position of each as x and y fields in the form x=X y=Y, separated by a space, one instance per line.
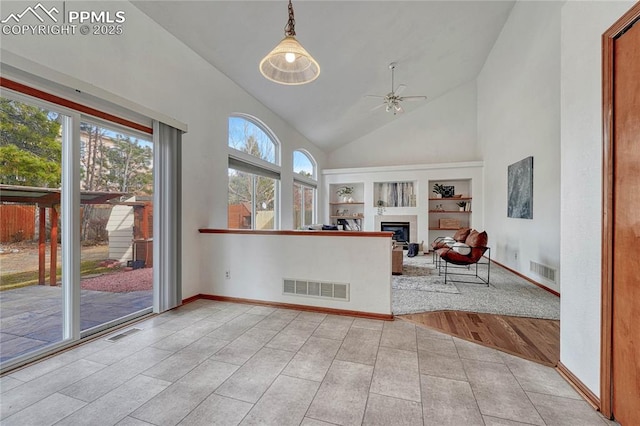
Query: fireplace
x=400 y=232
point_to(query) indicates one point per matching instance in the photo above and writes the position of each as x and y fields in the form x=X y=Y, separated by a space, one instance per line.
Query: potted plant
x=439 y=190
x=345 y=192
x=462 y=205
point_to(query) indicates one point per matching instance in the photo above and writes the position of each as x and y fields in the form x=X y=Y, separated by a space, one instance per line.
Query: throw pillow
x=461 y=234
x=461 y=248
x=477 y=239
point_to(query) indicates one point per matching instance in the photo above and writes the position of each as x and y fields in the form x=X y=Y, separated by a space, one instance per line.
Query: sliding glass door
x=116 y=231
x=76 y=214
x=31 y=275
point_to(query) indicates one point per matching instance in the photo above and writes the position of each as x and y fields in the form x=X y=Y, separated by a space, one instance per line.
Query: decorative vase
x=461 y=209
x=345 y=199
x=438 y=195
x=350 y=200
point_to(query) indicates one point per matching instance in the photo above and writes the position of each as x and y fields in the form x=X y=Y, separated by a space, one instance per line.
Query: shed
x=130 y=229
x=120 y=229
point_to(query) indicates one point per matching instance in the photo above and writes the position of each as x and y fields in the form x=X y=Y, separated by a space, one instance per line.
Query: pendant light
x=289 y=63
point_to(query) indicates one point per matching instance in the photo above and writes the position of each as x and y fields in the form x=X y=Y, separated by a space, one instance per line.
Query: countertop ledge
x=297 y=233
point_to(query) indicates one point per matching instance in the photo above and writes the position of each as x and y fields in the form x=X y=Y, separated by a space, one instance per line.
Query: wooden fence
x=17 y=223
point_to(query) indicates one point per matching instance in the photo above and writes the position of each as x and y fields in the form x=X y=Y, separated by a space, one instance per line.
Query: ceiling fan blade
x=400 y=89
x=374 y=96
x=377 y=107
x=413 y=98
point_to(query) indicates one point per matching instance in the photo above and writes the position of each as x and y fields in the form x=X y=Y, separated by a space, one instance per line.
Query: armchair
x=441 y=242
x=465 y=255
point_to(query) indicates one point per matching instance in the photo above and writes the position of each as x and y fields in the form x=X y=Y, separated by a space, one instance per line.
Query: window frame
x=306 y=182
x=314 y=203
x=256 y=166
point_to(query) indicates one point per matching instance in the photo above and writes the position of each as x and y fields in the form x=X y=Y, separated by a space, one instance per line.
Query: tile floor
x=213 y=363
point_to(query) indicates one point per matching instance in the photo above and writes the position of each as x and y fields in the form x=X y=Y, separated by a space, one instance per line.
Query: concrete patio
x=31 y=317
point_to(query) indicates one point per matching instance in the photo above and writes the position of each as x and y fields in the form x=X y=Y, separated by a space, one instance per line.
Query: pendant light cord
x=290 y=28
x=393 y=68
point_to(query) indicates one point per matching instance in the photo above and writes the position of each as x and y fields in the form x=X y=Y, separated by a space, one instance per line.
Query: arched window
x=254 y=175
x=304 y=189
x=250 y=136
x=304 y=165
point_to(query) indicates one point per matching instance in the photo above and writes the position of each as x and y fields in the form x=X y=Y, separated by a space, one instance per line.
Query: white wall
x=258 y=264
x=581 y=214
x=442 y=131
x=519 y=116
x=149 y=66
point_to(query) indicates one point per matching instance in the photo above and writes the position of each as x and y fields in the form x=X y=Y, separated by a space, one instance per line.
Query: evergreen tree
x=30 y=147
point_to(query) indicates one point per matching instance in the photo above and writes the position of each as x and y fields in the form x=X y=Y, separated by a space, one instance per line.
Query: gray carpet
x=420 y=289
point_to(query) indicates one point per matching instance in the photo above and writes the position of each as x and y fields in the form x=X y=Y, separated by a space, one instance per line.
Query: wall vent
x=123 y=334
x=326 y=290
x=542 y=270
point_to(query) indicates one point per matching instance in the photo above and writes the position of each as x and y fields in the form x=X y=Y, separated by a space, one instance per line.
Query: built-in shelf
x=347 y=211
x=444 y=213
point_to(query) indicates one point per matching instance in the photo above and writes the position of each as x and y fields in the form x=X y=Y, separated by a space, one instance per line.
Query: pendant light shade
x=289 y=63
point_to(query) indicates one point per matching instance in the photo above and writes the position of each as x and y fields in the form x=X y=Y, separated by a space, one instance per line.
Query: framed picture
x=449 y=191
x=520 y=189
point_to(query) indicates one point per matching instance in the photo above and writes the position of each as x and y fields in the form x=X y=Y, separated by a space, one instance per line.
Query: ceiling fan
x=392 y=100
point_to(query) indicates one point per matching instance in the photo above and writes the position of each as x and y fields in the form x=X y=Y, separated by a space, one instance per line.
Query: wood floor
x=534 y=339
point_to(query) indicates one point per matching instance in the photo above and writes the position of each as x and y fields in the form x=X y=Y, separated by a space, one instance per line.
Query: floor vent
x=123 y=334
x=542 y=270
x=327 y=290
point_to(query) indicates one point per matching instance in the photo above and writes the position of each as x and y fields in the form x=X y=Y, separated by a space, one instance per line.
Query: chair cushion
x=443 y=242
x=451 y=256
x=477 y=239
x=461 y=234
x=438 y=244
x=461 y=248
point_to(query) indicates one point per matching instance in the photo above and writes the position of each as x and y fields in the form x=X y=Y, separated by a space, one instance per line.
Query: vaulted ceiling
x=438 y=45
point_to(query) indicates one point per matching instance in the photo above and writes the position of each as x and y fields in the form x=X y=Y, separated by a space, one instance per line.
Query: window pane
x=240 y=198
x=245 y=136
x=116 y=233
x=298 y=216
x=265 y=191
x=31 y=275
x=308 y=205
x=303 y=165
x=303 y=205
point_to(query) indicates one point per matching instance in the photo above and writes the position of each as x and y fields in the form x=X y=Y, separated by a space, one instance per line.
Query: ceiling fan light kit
x=289 y=63
x=392 y=100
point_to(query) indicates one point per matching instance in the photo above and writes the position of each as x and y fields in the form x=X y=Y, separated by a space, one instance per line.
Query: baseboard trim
x=580 y=387
x=191 y=299
x=332 y=311
x=542 y=286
